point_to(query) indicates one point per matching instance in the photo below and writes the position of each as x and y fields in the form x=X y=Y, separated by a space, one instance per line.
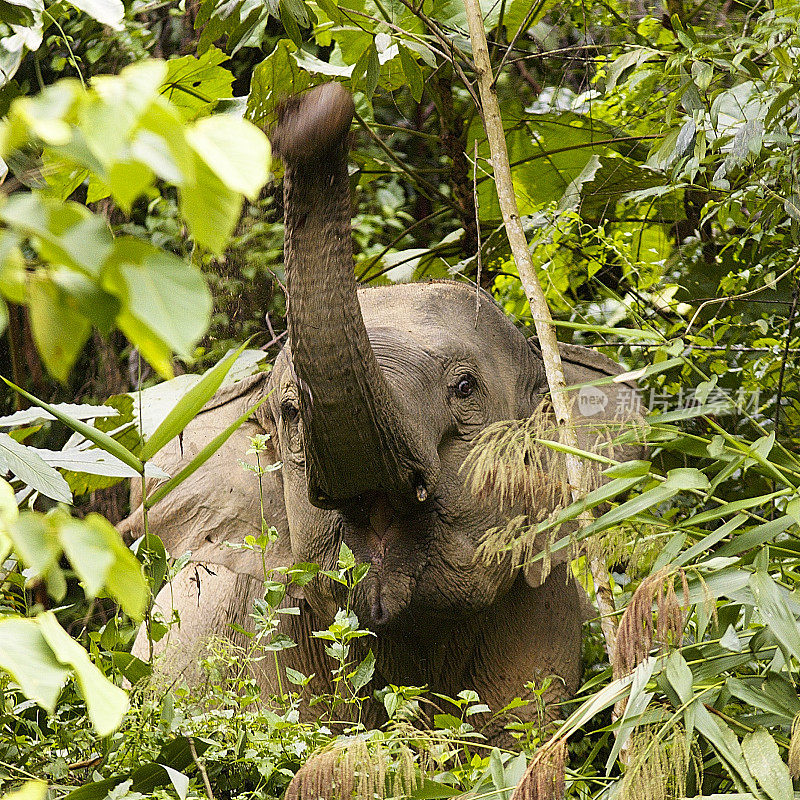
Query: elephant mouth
x=391 y=534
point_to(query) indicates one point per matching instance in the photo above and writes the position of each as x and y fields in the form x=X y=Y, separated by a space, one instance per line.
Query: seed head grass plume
x=356 y=770
x=637 y=633
x=544 y=779
x=794 y=749
x=659 y=766
x=509 y=465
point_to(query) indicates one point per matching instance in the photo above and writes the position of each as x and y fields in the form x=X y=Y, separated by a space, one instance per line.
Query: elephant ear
x=219 y=504
x=601 y=413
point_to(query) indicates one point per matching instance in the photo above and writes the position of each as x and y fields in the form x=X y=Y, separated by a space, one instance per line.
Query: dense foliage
x=654 y=155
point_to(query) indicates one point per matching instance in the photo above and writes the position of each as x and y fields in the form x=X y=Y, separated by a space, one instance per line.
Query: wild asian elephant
x=374 y=405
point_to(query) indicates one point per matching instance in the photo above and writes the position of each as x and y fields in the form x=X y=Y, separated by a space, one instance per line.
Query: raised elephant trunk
x=355 y=440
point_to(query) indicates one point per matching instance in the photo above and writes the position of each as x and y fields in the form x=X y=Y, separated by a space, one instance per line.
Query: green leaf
x=165 y=300
x=164 y=489
x=727 y=746
x=243 y=167
x=106 y=12
x=59 y=329
x=277 y=77
x=105 y=702
x=64 y=233
x=189 y=405
x=210 y=208
x=33 y=470
x=628 y=469
x=30 y=790
x=764 y=760
x=35 y=540
x=132 y=669
x=772 y=604
x=102 y=440
x=87 y=552
x=27 y=657
x=686 y=478
x=195 y=84
x=412 y=72
x=15 y=13
x=732 y=508
x=96 y=551
x=635 y=505
x=367 y=71
x=363 y=672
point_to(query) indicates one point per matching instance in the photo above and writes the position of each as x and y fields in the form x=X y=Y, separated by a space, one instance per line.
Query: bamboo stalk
x=543 y=322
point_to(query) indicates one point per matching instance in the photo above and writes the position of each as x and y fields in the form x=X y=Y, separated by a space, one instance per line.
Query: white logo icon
x=591 y=401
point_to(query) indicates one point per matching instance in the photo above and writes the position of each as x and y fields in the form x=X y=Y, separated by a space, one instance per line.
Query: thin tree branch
x=789 y=332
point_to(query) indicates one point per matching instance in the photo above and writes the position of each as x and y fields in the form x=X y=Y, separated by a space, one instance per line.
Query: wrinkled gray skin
x=374 y=406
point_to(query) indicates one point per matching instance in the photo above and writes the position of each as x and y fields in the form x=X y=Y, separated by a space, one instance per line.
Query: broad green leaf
x=63 y=233
x=94 y=462
x=277 y=77
x=413 y=73
x=771 y=695
x=626 y=333
x=164 y=294
x=367 y=71
x=101 y=560
x=243 y=167
x=125 y=580
x=9 y=513
x=707 y=542
x=59 y=329
x=87 y=552
x=36 y=542
x=105 y=702
x=727 y=746
x=754 y=537
x=15 y=13
x=102 y=440
x=686 y=478
x=771 y=603
x=363 y=672
x=210 y=208
x=128 y=180
x=765 y=762
x=195 y=83
x=87 y=297
x=106 y=12
x=30 y=790
x=189 y=405
x=201 y=457
x=32 y=470
x=628 y=469
x=79 y=411
x=27 y=657
x=636 y=705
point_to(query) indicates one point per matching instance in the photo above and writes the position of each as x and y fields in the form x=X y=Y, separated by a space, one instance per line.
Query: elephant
x=374 y=405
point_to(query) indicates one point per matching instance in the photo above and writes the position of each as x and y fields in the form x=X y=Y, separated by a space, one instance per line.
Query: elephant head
x=375 y=405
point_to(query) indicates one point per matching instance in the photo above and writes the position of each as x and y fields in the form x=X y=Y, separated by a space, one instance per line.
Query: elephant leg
x=209 y=599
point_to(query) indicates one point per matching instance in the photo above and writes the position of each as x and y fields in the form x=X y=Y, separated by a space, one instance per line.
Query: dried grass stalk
x=544 y=779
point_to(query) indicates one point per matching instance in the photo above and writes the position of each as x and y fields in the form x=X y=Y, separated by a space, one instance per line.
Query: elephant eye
x=465 y=386
x=289 y=412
